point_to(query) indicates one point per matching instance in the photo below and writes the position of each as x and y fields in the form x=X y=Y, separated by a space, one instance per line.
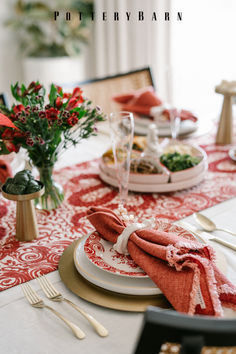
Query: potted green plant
x=51 y=48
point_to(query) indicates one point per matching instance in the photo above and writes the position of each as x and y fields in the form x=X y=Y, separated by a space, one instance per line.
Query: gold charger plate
x=87 y=291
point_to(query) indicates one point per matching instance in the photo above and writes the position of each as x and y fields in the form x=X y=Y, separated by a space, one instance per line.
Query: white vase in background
x=64 y=71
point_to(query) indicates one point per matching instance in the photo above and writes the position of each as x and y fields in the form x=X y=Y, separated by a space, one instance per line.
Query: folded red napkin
x=5 y=171
x=184 y=270
x=142 y=101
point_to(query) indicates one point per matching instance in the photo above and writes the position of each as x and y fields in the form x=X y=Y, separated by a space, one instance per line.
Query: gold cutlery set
x=207 y=225
x=52 y=294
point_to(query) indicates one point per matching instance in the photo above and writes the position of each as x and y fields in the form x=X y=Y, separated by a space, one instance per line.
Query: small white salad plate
x=102 y=254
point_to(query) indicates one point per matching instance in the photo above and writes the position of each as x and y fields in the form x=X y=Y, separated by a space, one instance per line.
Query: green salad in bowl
x=177 y=162
x=22 y=183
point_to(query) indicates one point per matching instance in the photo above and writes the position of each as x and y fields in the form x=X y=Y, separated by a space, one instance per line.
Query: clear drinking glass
x=122 y=133
x=174 y=122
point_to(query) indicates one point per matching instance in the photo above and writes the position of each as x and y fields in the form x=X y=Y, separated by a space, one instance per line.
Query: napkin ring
x=121 y=244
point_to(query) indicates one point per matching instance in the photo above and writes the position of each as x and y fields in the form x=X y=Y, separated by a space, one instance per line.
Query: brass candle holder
x=225 y=127
x=26 y=222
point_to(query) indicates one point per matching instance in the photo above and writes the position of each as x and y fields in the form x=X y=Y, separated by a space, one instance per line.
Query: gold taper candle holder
x=26 y=222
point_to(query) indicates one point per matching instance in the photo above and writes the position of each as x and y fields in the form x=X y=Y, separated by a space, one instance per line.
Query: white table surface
x=25 y=330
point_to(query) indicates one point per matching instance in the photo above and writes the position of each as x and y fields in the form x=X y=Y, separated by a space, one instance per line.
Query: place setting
x=114 y=265
x=148 y=108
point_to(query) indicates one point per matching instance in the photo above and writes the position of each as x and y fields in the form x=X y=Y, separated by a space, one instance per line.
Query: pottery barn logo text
x=117 y=16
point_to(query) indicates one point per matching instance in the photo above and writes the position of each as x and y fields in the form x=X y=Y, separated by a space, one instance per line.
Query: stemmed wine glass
x=122 y=133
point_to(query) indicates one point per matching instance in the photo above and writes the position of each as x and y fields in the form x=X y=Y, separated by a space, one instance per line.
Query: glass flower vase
x=54 y=194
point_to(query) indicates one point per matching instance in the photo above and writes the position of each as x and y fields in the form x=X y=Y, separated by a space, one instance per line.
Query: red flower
x=59 y=102
x=10 y=146
x=37 y=88
x=42 y=114
x=12 y=117
x=73 y=103
x=52 y=113
x=67 y=95
x=18 y=134
x=8 y=134
x=18 y=108
x=30 y=141
x=59 y=89
x=77 y=92
x=72 y=120
x=31 y=85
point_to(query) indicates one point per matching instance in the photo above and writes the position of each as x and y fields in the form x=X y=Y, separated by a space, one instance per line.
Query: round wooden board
x=81 y=287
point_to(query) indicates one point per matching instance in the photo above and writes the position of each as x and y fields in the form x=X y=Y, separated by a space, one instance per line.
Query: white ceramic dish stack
x=164 y=182
x=112 y=282
x=164 y=129
x=115 y=272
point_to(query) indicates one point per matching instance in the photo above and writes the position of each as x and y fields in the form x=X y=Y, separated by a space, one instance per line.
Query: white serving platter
x=139 y=178
x=167 y=181
x=158 y=188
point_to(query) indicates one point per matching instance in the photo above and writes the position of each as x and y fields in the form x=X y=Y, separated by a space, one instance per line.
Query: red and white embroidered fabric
x=20 y=262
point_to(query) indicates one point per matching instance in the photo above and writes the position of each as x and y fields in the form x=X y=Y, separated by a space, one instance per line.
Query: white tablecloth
x=25 y=330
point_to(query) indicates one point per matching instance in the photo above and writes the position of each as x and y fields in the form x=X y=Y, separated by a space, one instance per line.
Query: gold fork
x=54 y=295
x=36 y=301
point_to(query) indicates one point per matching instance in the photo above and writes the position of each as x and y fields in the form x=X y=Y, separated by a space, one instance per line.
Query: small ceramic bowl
x=189 y=172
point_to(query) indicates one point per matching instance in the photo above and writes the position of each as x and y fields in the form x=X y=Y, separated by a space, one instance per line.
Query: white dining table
x=26 y=330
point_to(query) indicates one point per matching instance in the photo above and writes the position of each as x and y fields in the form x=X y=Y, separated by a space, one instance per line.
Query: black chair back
x=192 y=332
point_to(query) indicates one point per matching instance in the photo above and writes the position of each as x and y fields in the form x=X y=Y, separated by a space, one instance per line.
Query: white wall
x=122 y=46
x=10 y=60
x=203 y=53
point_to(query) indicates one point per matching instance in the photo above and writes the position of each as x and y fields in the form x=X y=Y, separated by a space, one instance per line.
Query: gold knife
x=204 y=236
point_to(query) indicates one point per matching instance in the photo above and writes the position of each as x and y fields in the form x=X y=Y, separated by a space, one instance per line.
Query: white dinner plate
x=186 y=127
x=105 y=280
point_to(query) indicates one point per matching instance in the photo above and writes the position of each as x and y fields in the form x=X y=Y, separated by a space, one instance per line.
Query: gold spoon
x=209 y=225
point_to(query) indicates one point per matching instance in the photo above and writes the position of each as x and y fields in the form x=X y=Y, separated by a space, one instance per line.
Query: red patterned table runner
x=20 y=262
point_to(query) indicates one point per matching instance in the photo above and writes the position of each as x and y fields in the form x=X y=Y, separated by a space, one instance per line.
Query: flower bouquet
x=46 y=130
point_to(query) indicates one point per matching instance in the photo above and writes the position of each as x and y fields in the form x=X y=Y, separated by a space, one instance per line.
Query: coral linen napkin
x=184 y=270
x=143 y=102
